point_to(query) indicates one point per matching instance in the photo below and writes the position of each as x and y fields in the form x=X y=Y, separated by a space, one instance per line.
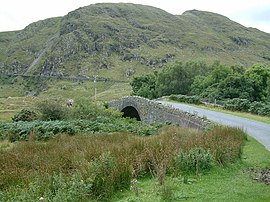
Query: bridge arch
x=131 y=112
x=149 y=111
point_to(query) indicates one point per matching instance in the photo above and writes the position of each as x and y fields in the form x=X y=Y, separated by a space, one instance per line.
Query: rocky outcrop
x=113 y=36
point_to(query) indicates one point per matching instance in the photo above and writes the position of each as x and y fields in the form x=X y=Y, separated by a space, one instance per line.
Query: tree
x=207 y=86
x=199 y=85
x=236 y=86
x=52 y=109
x=178 y=77
x=268 y=90
x=259 y=76
x=220 y=73
x=144 y=86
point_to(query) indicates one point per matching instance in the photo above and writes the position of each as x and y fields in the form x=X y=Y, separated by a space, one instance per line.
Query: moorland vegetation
x=90 y=152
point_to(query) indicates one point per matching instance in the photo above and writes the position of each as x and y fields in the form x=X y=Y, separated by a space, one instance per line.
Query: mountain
x=121 y=40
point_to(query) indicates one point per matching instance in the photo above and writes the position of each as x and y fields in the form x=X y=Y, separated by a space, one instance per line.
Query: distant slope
x=120 y=40
x=22 y=48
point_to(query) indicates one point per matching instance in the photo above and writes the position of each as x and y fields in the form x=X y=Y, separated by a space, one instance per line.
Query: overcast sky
x=17 y=14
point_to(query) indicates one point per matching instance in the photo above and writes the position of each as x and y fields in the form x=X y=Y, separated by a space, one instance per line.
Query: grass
x=72 y=156
x=115 y=91
x=75 y=167
x=6 y=115
x=5 y=145
x=11 y=90
x=230 y=183
x=106 y=91
x=11 y=105
x=75 y=89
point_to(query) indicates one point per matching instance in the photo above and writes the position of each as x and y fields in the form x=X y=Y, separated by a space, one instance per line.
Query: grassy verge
x=263 y=119
x=230 y=183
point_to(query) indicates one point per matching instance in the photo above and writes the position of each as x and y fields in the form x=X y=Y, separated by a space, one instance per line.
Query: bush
x=186 y=99
x=255 y=107
x=52 y=109
x=194 y=161
x=237 y=104
x=25 y=115
x=245 y=105
x=90 y=110
x=265 y=110
x=16 y=131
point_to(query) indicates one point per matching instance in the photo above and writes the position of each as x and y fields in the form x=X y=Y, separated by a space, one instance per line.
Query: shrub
x=102 y=175
x=52 y=109
x=186 y=99
x=25 y=115
x=17 y=131
x=90 y=110
x=245 y=105
x=62 y=188
x=265 y=110
x=237 y=104
x=255 y=107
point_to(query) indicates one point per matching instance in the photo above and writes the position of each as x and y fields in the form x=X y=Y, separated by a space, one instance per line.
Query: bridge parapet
x=150 y=111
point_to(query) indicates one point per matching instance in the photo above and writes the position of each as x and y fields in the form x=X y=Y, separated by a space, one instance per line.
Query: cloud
x=263 y=16
x=257 y=17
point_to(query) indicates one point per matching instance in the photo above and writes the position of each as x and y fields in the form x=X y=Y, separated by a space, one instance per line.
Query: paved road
x=260 y=131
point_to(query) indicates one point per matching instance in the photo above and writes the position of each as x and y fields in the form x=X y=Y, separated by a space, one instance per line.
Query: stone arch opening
x=131 y=112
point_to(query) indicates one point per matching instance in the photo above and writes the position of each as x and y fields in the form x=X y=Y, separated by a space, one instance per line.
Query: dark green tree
x=220 y=73
x=178 y=77
x=207 y=86
x=236 y=86
x=144 y=86
x=268 y=90
x=260 y=76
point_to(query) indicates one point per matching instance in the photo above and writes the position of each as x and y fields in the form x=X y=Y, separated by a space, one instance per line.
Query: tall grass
x=100 y=165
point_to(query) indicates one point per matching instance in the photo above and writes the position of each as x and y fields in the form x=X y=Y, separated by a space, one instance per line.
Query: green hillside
x=122 y=40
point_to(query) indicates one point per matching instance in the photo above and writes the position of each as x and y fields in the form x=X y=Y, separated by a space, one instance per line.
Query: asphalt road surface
x=260 y=131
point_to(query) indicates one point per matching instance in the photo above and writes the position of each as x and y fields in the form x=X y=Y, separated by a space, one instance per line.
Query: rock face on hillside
x=112 y=39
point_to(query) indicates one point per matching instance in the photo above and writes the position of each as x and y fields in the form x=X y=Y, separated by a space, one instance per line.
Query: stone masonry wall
x=154 y=112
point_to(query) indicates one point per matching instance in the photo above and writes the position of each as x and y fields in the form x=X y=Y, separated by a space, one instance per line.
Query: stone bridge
x=149 y=111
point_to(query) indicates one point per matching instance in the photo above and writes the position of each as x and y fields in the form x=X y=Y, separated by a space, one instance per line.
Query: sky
x=17 y=14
